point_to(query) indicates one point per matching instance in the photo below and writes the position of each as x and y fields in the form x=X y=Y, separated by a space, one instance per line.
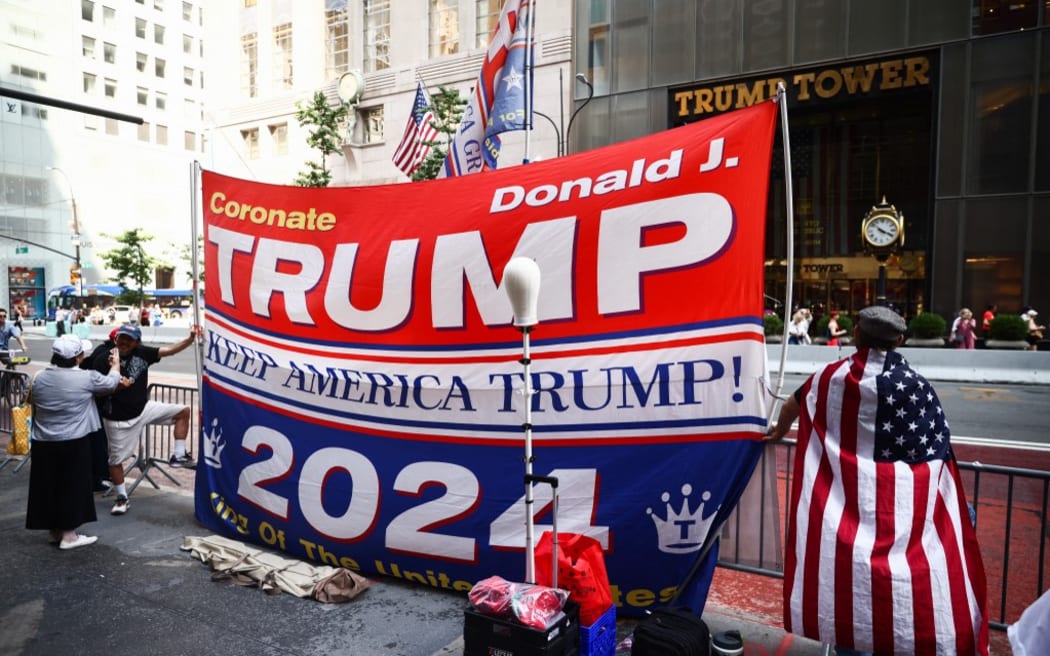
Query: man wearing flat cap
x=127 y=412
x=880 y=553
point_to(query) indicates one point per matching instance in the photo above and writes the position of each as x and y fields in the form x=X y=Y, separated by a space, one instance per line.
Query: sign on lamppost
x=20 y=250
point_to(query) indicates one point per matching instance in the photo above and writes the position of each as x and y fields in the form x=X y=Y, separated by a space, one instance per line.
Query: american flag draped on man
x=881 y=554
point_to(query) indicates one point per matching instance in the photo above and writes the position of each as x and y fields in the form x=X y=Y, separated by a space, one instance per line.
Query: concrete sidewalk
x=136 y=589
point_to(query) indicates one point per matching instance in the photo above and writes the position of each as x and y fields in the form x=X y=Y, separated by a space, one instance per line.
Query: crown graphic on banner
x=682 y=531
x=213 y=445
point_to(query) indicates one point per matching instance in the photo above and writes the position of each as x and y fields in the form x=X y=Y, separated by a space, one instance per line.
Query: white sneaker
x=120 y=506
x=81 y=541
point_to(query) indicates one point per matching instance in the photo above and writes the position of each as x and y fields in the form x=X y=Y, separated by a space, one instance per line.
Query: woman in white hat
x=64 y=414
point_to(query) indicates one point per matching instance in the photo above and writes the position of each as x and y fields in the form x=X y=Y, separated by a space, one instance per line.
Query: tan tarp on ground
x=247 y=565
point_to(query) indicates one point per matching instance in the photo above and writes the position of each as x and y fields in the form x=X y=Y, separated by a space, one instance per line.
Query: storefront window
x=993 y=252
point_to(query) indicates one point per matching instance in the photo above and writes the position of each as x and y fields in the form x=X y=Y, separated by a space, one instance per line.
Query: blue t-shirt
x=7 y=332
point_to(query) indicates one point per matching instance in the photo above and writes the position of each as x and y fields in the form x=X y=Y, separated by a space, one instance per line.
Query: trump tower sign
x=362 y=400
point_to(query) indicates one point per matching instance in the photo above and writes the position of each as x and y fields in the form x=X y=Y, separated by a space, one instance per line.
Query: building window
x=141 y=59
x=337 y=42
x=158 y=34
x=369 y=129
x=487 y=12
x=87 y=10
x=444 y=28
x=142 y=96
x=162 y=135
x=249 y=64
x=282 y=55
x=158 y=5
x=250 y=138
x=279 y=138
x=189 y=140
x=158 y=67
x=27 y=72
x=87 y=47
x=109 y=16
x=140 y=28
x=598 y=45
x=187 y=76
x=187 y=12
x=187 y=44
x=111 y=88
x=377 y=35
x=249 y=3
x=144 y=131
x=1004 y=16
x=161 y=100
x=89 y=83
x=109 y=53
x=112 y=127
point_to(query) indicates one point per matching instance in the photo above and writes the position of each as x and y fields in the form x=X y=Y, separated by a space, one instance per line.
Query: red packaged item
x=536 y=606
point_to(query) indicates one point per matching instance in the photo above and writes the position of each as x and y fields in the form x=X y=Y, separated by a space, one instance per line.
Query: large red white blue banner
x=362 y=391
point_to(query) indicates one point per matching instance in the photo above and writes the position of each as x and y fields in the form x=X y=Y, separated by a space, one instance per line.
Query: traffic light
x=74 y=274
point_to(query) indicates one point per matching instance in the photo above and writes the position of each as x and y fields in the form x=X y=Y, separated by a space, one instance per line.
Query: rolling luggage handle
x=553 y=482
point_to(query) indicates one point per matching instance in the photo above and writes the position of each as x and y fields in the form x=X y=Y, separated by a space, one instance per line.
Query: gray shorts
x=123 y=436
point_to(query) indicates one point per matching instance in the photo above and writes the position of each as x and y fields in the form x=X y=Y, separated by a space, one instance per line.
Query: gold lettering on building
x=820 y=84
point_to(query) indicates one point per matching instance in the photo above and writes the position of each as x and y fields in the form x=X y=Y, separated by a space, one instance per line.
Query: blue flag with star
x=511 y=106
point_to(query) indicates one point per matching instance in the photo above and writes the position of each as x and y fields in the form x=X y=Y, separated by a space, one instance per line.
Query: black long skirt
x=60 y=490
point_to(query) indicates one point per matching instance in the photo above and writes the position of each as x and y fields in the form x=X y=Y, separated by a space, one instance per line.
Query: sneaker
x=81 y=541
x=120 y=506
x=185 y=461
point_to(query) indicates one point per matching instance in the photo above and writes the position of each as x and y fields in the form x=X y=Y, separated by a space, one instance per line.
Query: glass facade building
x=940 y=106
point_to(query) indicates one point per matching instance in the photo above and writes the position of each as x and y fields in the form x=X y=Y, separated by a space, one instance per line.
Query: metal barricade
x=156 y=444
x=11 y=381
x=1012 y=524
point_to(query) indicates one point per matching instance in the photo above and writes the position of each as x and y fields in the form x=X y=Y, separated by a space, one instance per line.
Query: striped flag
x=881 y=555
x=465 y=153
x=419 y=131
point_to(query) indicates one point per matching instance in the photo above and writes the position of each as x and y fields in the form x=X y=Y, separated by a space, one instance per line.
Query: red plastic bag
x=581 y=571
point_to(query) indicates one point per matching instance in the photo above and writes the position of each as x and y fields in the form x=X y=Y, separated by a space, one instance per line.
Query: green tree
x=186 y=255
x=324 y=136
x=447 y=106
x=132 y=266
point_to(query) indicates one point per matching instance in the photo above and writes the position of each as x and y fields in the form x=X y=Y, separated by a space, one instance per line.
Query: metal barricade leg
x=144 y=461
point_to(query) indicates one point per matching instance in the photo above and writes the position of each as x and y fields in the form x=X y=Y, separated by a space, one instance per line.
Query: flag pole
x=530 y=34
x=781 y=98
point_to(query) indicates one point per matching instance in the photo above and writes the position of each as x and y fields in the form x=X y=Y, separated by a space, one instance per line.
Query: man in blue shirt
x=8 y=329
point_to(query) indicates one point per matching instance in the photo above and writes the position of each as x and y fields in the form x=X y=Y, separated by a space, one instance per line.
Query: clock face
x=349 y=87
x=881 y=231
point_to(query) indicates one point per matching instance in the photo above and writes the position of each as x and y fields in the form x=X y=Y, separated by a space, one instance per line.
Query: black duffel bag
x=671 y=631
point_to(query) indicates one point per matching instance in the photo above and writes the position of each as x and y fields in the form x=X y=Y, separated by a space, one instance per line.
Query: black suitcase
x=484 y=635
x=671 y=631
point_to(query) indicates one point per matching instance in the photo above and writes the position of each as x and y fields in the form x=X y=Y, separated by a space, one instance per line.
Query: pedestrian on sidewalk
x=880 y=555
x=128 y=411
x=97 y=439
x=964 y=330
x=64 y=414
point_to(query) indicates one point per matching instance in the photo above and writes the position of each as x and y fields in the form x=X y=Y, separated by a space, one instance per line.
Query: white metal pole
x=195 y=178
x=781 y=98
x=526 y=362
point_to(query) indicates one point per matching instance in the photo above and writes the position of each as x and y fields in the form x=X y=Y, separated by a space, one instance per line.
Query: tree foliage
x=447 y=106
x=131 y=265
x=186 y=255
x=324 y=136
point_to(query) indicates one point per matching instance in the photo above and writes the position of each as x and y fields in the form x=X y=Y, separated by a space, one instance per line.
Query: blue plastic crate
x=599 y=639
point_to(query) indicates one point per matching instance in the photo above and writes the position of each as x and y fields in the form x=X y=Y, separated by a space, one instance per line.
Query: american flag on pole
x=465 y=151
x=419 y=131
x=881 y=554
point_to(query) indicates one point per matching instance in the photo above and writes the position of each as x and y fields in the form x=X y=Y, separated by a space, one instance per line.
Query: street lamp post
x=77 y=271
x=560 y=131
x=580 y=77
